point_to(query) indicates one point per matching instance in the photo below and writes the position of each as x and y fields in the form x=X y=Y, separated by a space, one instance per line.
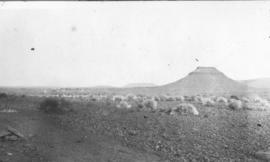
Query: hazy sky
x=116 y=43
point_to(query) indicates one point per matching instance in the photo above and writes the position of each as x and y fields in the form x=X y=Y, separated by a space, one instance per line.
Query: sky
x=74 y=44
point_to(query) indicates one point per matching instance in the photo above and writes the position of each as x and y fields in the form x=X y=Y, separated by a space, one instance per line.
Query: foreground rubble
x=99 y=131
x=10 y=134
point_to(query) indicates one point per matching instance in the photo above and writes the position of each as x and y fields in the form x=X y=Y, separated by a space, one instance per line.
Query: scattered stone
x=132 y=132
x=158 y=146
x=11 y=138
x=15 y=132
x=10 y=134
x=4 y=133
x=9 y=154
x=31 y=135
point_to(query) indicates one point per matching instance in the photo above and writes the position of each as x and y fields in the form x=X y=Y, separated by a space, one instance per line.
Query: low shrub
x=235 y=104
x=54 y=106
x=222 y=100
x=3 y=95
x=257 y=103
x=131 y=97
x=118 y=98
x=156 y=98
x=184 y=108
x=189 y=98
x=150 y=104
x=234 y=97
x=245 y=100
x=208 y=102
x=124 y=105
x=162 y=98
x=169 y=98
x=255 y=107
x=258 y=99
x=180 y=98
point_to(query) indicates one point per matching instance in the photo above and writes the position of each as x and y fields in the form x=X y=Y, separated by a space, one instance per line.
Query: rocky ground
x=100 y=132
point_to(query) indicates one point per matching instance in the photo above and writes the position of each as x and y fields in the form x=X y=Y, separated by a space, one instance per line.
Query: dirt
x=50 y=140
x=98 y=132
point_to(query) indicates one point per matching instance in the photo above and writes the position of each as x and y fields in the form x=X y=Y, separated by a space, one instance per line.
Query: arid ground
x=99 y=131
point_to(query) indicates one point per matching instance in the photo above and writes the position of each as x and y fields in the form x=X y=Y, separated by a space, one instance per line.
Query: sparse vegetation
x=222 y=100
x=235 y=97
x=235 y=104
x=208 y=102
x=256 y=103
x=245 y=99
x=131 y=97
x=3 y=95
x=163 y=132
x=124 y=105
x=54 y=106
x=118 y=98
x=150 y=104
x=184 y=108
x=180 y=98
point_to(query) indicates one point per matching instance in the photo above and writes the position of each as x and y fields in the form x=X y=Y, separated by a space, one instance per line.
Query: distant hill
x=203 y=80
x=206 y=80
x=103 y=86
x=132 y=85
x=263 y=83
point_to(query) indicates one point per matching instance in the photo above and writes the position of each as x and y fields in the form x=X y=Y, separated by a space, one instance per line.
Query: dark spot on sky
x=259 y=125
x=196 y=59
x=169 y=64
x=73 y=28
x=32 y=49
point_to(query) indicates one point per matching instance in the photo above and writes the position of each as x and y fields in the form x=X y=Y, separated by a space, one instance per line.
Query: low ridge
x=203 y=80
